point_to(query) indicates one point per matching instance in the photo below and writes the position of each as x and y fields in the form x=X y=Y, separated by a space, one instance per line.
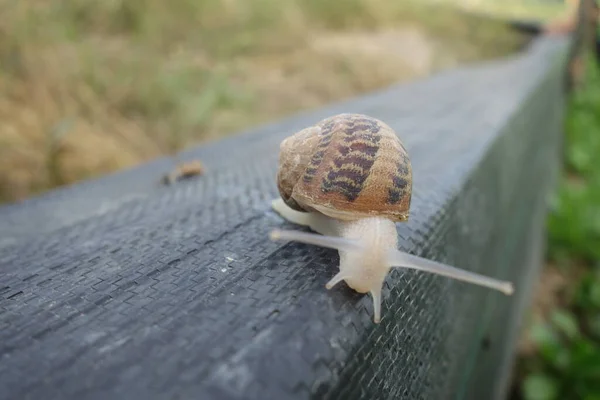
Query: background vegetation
x=560 y=356
x=87 y=88
x=91 y=87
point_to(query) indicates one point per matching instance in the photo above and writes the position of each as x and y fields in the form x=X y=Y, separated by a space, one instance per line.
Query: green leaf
x=543 y=335
x=595 y=294
x=540 y=387
x=566 y=322
x=586 y=360
x=550 y=347
x=593 y=320
x=588 y=292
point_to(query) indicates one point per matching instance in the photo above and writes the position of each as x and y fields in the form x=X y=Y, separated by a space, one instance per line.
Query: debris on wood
x=184 y=171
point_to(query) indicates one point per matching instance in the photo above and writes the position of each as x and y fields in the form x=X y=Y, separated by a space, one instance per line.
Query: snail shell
x=347 y=166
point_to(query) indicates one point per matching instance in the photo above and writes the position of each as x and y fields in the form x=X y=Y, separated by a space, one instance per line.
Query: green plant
x=566 y=363
x=574 y=224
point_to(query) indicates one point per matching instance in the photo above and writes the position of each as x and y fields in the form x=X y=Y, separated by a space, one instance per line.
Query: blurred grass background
x=92 y=87
x=88 y=88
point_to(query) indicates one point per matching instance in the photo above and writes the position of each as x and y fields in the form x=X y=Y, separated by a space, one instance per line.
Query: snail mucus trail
x=349 y=178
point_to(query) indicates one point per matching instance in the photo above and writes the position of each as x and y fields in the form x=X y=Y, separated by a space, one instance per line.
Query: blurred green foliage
x=566 y=364
x=574 y=224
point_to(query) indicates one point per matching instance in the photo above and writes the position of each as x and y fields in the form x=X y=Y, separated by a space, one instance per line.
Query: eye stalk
x=400 y=259
x=331 y=242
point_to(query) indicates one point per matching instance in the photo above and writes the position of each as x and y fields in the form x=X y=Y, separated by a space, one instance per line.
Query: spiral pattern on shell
x=347 y=166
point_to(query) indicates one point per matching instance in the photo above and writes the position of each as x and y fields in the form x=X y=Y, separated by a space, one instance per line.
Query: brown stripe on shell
x=317 y=158
x=353 y=159
x=359 y=146
x=401 y=182
x=360 y=124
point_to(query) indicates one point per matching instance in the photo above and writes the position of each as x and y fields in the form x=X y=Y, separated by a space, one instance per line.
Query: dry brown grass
x=92 y=87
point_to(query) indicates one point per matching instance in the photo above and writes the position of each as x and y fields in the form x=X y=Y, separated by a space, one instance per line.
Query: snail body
x=349 y=178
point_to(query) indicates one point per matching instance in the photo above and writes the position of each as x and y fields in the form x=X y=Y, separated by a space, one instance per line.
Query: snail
x=349 y=179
